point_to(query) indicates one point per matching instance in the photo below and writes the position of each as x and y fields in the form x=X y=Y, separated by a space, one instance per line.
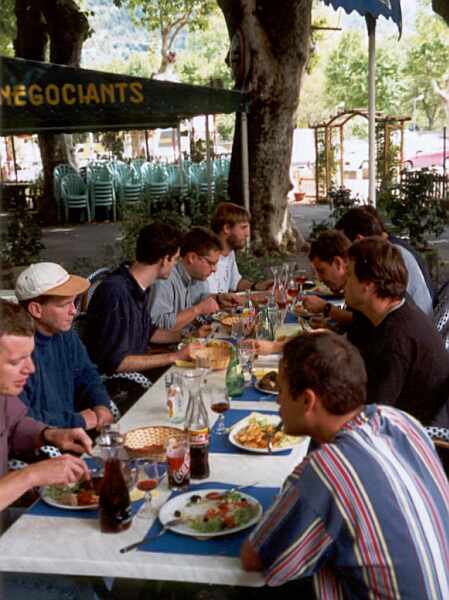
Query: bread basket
x=219 y=352
x=149 y=442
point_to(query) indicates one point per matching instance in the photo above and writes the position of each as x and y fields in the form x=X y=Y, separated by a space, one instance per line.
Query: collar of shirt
x=135 y=289
x=184 y=276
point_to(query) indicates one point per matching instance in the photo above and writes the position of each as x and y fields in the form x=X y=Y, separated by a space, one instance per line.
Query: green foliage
x=341 y=200
x=254 y=266
x=413 y=208
x=113 y=141
x=7 y=28
x=21 y=243
x=136 y=216
x=347 y=75
x=427 y=59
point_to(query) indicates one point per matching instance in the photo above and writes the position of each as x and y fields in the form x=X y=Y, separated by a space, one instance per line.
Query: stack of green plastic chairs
x=58 y=173
x=101 y=189
x=155 y=185
x=74 y=194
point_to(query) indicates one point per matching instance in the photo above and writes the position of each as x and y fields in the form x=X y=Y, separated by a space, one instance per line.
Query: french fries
x=257 y=433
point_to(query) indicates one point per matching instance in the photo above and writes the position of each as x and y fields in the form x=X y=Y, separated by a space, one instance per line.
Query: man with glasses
x=179 y=300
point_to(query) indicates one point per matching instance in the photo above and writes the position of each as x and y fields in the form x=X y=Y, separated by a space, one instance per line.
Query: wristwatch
x=327 y=309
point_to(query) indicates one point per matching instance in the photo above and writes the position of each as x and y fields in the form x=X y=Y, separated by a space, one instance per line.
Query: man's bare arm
x=249 y=558
x=142 y=362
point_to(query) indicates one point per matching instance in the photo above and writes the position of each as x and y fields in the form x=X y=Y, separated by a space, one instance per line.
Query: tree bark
x=65 y=27
x=277 y=35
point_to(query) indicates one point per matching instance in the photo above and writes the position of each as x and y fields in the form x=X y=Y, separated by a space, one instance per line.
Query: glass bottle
x=197 y=426
x=235 y=382
x=115 y=503
x=249 y=309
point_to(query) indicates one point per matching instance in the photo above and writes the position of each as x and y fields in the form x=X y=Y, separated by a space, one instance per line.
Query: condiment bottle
x=235 y=381
x=115 y=503
x=197 y=426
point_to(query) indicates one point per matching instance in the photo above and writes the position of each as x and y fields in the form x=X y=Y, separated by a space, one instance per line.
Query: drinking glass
x=300 y=278
x=292 y=290
x=219 y=403
x=147 y=479
x=203 y=361
x=247 y=354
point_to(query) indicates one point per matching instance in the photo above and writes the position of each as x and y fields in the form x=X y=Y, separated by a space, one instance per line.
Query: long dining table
x=49 y=540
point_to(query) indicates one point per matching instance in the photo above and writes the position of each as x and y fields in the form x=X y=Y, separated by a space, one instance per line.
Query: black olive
x=205 y=520
x=177 y=513
x=195 y=498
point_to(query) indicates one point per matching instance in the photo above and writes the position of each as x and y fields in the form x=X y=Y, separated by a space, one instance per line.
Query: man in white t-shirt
x=232 y=225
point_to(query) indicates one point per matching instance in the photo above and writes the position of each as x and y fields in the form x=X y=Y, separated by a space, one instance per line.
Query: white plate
x=264 y=391
x=52 y=502
x=273 y=419
x=167 y=513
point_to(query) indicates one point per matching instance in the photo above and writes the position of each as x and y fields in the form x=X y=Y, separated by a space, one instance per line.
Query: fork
x=271 y=436
x=150 y=537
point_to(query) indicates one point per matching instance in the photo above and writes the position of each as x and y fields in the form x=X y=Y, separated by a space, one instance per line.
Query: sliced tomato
x=211 y=513
x=229 y=521
x=224 y=507
x=214 y=495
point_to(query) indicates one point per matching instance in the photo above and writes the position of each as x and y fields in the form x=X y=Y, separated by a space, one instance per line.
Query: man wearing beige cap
x=64 y=370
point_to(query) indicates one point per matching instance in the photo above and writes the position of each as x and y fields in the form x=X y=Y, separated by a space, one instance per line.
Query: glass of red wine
x=220 y=403
x=300 y=278
x=147 y=479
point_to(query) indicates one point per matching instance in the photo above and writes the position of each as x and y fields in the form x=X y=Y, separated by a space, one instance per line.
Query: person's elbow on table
x=249 y=558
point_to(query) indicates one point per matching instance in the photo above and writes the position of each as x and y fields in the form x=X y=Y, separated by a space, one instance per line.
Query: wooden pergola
x=324 y=157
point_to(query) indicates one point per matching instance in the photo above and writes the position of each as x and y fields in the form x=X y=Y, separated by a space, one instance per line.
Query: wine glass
x=292 y=290
x=219 y=404
x=147 y=479
x=300 y=278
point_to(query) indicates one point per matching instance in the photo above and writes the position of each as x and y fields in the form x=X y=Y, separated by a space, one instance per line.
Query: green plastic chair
x=74 y=194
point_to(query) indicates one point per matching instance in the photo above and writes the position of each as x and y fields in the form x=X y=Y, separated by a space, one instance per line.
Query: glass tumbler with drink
x=147 y=479
x=178 y=463
x=219 y=403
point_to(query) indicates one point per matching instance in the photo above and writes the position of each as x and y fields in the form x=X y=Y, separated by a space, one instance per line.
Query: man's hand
x=187 y=352
x=73 y=440
x=62 y=470
x=204 y=331
x=267 y=284
x=208 y=306
x=104 y=416
x=313 y=304
x=90 y=417
x=266 y=347
x=230 y=300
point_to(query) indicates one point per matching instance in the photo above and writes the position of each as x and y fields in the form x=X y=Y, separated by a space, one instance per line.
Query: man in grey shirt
x=177 y=301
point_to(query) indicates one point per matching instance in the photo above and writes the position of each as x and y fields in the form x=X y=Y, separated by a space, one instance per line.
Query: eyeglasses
x=211 y=263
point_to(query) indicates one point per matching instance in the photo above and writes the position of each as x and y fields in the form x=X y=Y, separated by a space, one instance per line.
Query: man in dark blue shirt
x=119 y=326
x=63 y=368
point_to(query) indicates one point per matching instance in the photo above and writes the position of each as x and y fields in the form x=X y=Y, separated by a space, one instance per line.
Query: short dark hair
x=330 y=243
x=379 y=262
x=15 y=320
x=156 y=241
x=230 y=214
x=201 y=241
x=330 y=366
x=359 y=221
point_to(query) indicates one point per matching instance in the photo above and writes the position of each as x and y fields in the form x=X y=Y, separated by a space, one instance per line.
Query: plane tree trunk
x=57 y=29
x=277 y=40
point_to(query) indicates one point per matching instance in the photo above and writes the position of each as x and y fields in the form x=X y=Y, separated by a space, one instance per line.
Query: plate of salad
x=83 y=495
x=211 y=512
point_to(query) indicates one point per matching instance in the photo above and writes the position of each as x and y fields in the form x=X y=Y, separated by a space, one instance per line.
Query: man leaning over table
x=366 y=514
x=178 y=301
x=20 y=433
x=359 y=223
x=64 y=373
x=119 y=323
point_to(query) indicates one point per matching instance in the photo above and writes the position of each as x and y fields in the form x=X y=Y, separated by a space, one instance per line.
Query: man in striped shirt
x=366 y=513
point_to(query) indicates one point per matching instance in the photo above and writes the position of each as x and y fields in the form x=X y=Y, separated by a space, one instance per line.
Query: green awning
x=37 y=97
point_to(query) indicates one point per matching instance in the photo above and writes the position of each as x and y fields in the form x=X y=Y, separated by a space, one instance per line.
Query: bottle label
x=199 y=437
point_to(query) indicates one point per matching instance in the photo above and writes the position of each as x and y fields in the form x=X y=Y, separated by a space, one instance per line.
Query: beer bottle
x=235 y=382
x=197 y=426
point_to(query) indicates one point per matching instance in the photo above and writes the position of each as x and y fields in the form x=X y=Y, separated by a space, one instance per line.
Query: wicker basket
x=149 y=442
x=219 y=352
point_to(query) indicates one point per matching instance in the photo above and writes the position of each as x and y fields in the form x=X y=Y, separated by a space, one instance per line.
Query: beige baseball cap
x=48 y=278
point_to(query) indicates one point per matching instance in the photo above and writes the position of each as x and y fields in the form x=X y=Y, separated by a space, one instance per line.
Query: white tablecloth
x=74 y=546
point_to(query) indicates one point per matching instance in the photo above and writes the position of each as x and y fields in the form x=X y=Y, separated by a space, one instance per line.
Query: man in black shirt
x=406 y=361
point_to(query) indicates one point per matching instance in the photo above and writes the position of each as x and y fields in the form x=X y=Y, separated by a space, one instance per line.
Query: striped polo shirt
x=366 y=514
